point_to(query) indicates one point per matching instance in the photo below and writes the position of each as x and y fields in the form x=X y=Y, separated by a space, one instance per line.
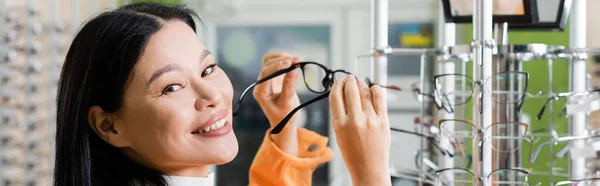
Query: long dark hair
x=96 y=71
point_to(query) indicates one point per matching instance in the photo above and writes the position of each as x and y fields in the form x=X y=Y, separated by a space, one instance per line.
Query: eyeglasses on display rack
x=431 y=139
x=497 y=132
x=309 y=70
x=555 y=140
x=569 y=95
x=457 y=89
x=432 y=167
x=461 y=176
x=581 y=182
x=416 y=92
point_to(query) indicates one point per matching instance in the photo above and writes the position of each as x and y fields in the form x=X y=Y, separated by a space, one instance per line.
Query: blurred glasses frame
x=480 y=135
x=416 y=91
x=327 y=82
x=587 y=181
x=448 y=107
x=555 y=140
x=477 y=180
x=431 y=139
x=568 y=95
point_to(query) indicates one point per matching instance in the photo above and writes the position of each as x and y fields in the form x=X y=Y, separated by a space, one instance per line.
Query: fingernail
x=349 y=76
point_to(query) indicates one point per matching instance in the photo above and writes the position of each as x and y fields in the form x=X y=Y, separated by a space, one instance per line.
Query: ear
x=104 y=125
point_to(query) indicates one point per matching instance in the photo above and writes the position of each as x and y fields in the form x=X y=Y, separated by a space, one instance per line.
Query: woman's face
x=176 y=113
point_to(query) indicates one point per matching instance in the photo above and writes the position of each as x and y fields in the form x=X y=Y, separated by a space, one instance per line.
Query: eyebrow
x=163 y=70
x=204 y=54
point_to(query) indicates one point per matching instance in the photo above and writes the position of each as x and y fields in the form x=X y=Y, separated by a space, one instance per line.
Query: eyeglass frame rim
x=330 y=73
x=519 y=101
x=479 y=178
x=480 y=132
x=271 y=76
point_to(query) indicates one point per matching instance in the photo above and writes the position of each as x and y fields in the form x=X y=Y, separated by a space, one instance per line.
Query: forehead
x=175 y=42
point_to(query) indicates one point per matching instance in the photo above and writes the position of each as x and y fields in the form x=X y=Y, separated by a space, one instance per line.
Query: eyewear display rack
x=30 y=62
x=490 y=55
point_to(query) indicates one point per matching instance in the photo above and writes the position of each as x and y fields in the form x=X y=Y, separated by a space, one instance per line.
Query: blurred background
x=35 y=36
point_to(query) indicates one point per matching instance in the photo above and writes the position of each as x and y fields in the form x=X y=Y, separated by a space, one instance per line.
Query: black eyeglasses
x=461 y=88
x=317 y=78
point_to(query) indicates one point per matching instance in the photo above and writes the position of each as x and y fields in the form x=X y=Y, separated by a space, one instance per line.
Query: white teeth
x=214 y=126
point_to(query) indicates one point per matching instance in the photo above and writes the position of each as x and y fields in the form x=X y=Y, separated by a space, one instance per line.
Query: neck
x=192 y=171
x=173 y=170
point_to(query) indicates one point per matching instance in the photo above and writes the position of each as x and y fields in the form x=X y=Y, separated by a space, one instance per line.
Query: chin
x=227 y=155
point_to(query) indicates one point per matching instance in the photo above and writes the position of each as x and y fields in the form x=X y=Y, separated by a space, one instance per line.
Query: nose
x=208 y=96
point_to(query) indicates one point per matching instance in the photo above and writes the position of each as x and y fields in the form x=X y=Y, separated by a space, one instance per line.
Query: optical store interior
x=478 y=92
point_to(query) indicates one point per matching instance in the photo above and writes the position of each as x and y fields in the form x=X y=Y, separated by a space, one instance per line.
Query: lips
x=217 y=121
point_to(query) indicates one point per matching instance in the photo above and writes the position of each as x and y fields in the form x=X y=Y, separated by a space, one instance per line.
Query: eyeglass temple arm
x=575 y=181
x=278 y=73
x=561 y=139
x=239 y=101
x=538 y=149
x=541 y=113
x=433 y=140
x=277 y=129
x=563 y=152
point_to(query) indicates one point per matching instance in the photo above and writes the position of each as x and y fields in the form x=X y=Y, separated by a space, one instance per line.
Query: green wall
x=538 y=81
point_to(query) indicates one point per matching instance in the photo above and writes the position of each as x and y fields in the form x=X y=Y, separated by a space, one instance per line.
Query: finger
x=366 y=98
x=336 y=102
x=289 y=84
x=274 y=64
x=352 y=96
x=267 y=88
x=379 y=100
x=270 y=56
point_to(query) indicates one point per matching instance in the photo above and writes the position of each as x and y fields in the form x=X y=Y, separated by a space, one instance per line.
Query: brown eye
x=171 y=88
x=208 y=70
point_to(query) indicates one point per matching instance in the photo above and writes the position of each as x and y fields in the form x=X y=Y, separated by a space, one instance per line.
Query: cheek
x=157 y=124
x=225 y=87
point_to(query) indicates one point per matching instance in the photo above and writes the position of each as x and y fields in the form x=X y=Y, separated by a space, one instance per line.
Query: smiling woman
x=142 y=102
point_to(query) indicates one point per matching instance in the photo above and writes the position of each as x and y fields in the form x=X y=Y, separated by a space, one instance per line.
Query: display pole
x=577 y=71
x=483 y=45
x=507 y=112
x=447 y=37
x=379 y=39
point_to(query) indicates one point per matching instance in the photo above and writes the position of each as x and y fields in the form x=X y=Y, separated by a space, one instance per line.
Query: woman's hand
x=360 y=120
x=277 y=97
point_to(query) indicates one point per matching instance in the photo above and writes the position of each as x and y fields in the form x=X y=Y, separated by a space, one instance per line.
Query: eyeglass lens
x=317 y=78
x=507 y=87
x=456 y=177
x=506 y=137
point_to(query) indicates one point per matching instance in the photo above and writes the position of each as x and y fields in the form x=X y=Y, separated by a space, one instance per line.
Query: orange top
x=271 y=166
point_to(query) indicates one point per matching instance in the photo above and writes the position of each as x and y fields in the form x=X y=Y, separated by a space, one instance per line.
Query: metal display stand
x=491 y=55
x=577 y=82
